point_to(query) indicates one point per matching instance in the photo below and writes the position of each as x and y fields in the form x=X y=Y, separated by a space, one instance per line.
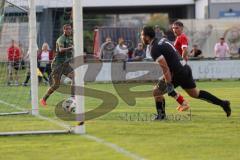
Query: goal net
x=26 y=27
x=13 y=32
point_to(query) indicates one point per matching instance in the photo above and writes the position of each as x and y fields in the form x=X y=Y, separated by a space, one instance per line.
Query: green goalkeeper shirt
x=63 y=42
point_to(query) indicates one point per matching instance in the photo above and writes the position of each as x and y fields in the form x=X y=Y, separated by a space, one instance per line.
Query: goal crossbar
x=22 y=133
x=14 y=113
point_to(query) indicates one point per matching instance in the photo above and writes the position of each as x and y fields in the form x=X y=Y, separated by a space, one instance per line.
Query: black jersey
x=165 y=48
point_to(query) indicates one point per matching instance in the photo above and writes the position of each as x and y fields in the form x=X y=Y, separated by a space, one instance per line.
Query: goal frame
x=78 y=37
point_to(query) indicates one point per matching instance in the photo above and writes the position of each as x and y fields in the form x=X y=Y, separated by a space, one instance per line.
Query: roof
x=102 y=3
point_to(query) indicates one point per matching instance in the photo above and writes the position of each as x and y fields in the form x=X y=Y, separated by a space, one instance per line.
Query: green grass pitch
x=205 y=134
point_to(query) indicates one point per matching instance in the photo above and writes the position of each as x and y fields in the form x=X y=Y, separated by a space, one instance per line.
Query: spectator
x=139 y=53
x=121 y=51
x=45 y=57
x=221 y=49
x=107 y=49
x=195 y=52
x=28 y=69
x=130 y=53
x=158 y=32
x=170 y=34
x=22 y=53
x=27 y=66
x=14 y=59
x=148 y=53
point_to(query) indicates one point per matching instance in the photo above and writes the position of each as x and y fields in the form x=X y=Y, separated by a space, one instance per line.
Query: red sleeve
x=184 y=41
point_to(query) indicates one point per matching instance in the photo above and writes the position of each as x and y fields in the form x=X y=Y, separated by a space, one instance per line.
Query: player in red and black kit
x=174 y=74
x=181 y=42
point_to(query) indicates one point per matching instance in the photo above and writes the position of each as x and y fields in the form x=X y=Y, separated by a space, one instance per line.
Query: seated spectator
x=221 y=49
x=121 y=51
x=148 y=54
x=158 y=32
x=170 y=34
x=195 y=52
x=107 y=49
x=139 y=53
x=130 y=53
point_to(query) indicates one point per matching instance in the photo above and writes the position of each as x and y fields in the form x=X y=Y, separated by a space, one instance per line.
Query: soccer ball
x=65 y=80
x=69 y=105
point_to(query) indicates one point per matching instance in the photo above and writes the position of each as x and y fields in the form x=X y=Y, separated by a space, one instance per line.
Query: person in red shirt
x=181 y=42
x=14 y=58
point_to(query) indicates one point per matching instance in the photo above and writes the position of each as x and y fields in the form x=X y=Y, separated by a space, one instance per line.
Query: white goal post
x=33 y=55
x=78 y=52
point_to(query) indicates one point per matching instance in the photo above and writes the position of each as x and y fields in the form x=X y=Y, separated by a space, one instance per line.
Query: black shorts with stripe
x=183 y=78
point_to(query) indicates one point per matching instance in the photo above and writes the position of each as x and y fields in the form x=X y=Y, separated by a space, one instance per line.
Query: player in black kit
x=174 y=74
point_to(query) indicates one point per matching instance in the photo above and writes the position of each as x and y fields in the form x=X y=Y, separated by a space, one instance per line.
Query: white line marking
x=115 y=147
x=90 y=137
x=38 y=116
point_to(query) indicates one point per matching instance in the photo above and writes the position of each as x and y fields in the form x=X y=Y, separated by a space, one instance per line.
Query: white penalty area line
x=87 y=136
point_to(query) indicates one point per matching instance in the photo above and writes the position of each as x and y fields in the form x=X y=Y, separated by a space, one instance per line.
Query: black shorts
x=13 y=65
x=184 y=79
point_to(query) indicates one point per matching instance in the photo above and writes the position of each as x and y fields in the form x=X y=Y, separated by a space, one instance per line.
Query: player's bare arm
x=166 y=71
x=185 y=53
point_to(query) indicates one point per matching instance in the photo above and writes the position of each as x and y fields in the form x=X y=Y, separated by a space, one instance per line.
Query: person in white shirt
x=221 y=50
x=148 y=53
x=44 y=61
x=121 y=51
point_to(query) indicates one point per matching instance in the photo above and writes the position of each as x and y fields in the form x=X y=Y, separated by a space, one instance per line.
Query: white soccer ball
x=69 y=105
x=65 y=80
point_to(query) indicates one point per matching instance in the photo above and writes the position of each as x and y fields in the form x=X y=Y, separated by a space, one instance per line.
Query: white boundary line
x=38 y=116
x=90 y=137
x=115 y=147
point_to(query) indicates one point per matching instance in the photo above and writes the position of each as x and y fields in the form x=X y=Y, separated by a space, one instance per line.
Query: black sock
x=160 y=106
x=45 y=97
x=206 y=96
x=27 y=79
